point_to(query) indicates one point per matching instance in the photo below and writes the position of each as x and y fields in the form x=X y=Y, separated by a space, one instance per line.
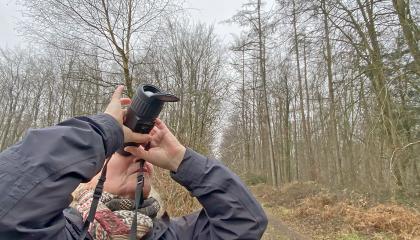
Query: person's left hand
x=166 y=151
x=114 y=109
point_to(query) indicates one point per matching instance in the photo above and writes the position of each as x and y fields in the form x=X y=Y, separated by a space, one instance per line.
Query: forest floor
x=302 y=211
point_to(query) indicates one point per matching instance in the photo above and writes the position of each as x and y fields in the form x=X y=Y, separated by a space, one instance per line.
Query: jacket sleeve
x=38 y=174
x=229 y=209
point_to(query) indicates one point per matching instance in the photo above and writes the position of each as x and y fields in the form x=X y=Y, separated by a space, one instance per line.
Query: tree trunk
x=332 y=115
x=307 y=157
x=410 y=30
x=265 y=97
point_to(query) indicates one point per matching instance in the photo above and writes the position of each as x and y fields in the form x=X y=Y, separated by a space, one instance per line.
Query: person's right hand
x=165 y=152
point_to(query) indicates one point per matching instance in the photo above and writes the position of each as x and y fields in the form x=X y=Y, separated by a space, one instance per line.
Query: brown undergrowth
x=396 y=221
x=177 y=201
x=312 y=209
x=326 y=215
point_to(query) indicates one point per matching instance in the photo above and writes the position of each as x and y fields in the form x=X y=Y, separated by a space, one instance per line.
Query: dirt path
x=278 y=230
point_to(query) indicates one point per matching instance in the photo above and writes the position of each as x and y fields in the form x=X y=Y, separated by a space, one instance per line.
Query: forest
x=323 y=91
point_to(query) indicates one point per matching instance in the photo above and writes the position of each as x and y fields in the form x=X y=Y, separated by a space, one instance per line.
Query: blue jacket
x=39 y=173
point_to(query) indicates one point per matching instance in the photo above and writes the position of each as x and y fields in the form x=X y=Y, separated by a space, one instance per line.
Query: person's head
x=121 y=176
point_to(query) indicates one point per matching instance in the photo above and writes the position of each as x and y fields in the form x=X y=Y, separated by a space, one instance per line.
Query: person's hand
x=114 y=109
x=165 y=152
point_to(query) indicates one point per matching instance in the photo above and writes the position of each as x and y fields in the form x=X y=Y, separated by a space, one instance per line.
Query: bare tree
x=119 y=29
x=410 y=29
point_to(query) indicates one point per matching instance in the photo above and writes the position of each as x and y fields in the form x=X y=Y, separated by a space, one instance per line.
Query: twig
x=391 y=162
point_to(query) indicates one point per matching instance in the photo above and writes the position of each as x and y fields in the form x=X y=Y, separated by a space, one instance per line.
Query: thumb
x=138 y=152
x=114 y=107
x=130 y=136
x=117 y=94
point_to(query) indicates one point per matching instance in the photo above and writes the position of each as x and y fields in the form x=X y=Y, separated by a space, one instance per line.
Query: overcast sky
x=208 y=11
x=8 y=17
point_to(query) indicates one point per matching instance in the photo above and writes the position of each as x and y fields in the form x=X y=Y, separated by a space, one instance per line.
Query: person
x=39 y=174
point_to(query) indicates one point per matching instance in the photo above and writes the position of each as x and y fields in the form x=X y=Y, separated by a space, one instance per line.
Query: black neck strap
x=96 y=196
x=138 y=201
x=139 y=198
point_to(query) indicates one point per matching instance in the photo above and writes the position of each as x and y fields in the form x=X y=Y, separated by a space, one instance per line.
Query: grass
x=351 y=236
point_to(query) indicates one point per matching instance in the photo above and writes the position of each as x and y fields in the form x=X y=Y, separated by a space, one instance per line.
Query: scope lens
x=149 y=88
x=148 y=93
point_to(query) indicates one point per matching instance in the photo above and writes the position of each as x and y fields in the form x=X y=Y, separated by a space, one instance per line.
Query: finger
x=153 y=144
x=137 y=151
x=125 y=101
x=160 y=124
x=153 y=131
x=117 y=94
x=139 y=137
x=124 y=111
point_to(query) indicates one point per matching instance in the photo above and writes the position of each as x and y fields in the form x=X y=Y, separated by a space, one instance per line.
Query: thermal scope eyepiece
x=144 y=109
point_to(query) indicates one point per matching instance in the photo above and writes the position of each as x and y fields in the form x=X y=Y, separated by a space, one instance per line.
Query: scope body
x=144 y=109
